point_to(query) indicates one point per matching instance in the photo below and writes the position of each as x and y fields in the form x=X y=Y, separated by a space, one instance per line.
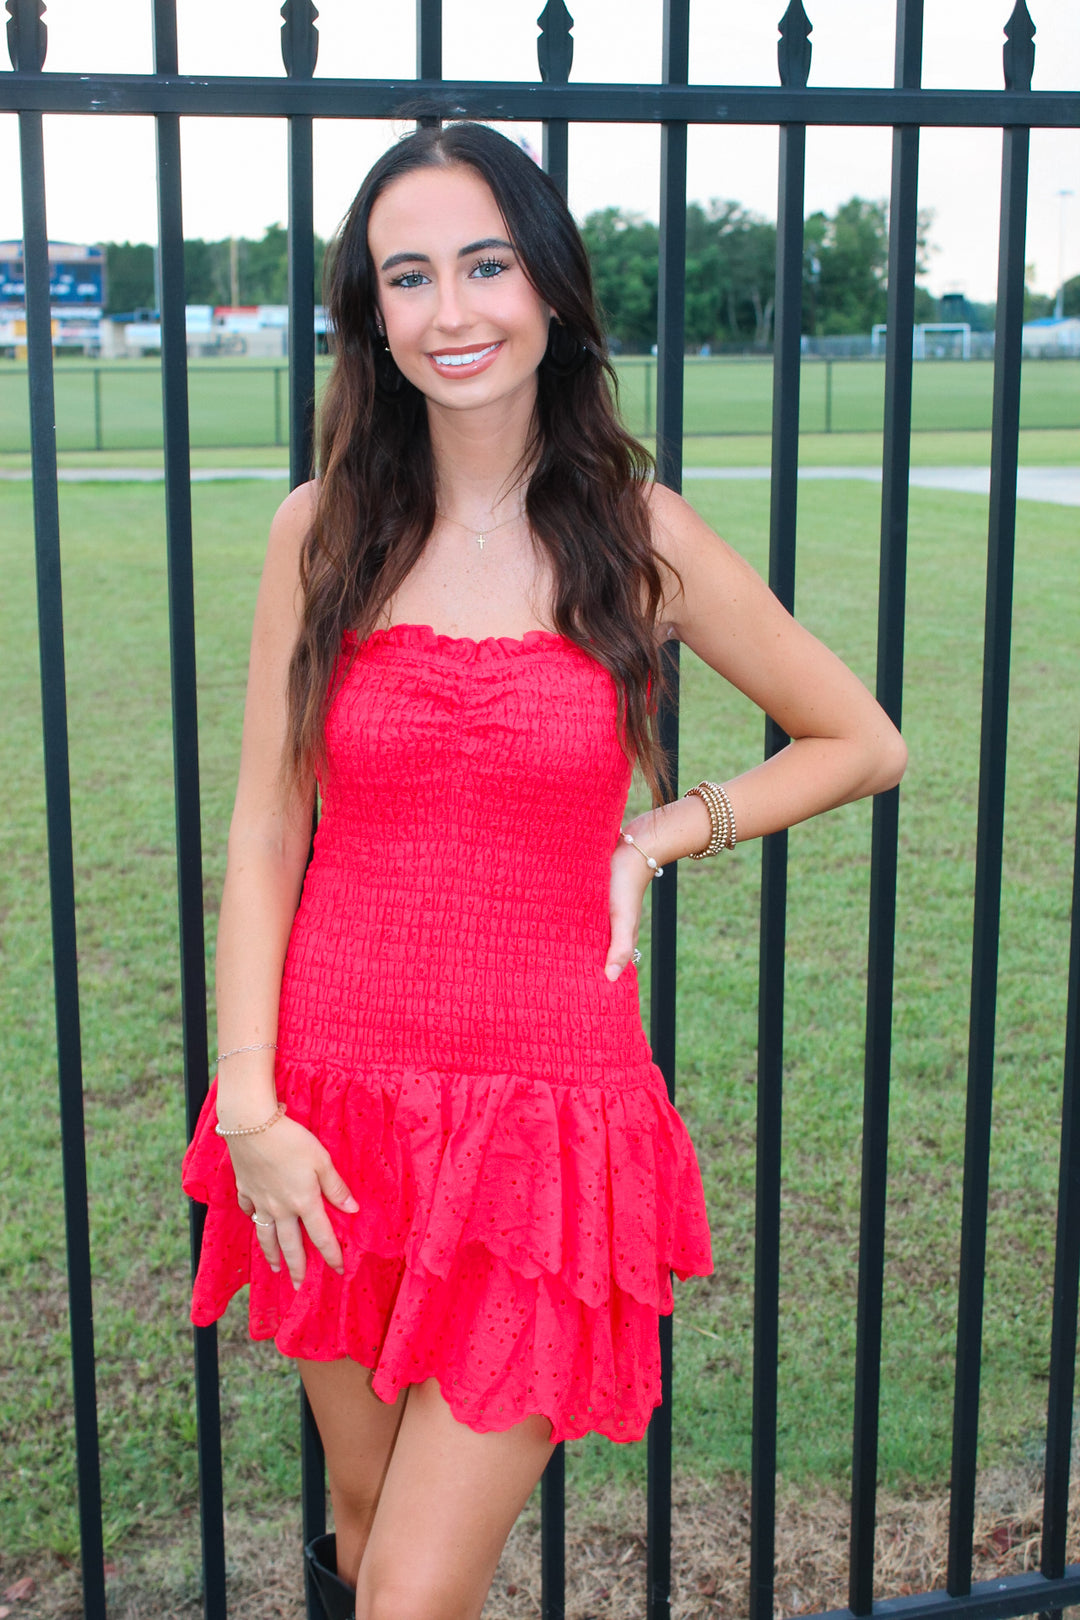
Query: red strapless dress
x=446 y=1029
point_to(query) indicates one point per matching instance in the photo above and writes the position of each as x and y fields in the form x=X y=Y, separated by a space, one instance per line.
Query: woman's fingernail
x=612 y=970
x=351 y=1205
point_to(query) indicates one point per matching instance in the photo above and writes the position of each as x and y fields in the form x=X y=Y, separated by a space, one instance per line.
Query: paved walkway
x=1059 y=485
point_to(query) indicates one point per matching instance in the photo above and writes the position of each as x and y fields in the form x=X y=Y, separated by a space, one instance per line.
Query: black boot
x=336 y=1596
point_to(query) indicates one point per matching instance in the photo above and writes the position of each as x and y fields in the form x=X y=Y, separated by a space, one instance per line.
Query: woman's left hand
x=630 y=877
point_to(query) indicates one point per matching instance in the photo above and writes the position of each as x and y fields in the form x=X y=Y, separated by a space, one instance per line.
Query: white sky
x=101 y=169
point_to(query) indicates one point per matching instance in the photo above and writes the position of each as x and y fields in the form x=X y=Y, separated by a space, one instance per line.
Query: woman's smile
x=464 y=362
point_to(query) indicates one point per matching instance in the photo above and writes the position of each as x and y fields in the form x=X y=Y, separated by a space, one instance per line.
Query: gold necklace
x=479 y=535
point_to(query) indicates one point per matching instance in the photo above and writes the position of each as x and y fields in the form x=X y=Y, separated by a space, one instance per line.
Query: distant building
x=1052 y=339
x=76 y=295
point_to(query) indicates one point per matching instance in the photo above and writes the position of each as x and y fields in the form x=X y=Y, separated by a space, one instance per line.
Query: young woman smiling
x=437 y=1145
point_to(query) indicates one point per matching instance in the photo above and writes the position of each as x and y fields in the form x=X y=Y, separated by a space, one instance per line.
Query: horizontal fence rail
x=212 y=97
x=245 y=405
x=785 y=395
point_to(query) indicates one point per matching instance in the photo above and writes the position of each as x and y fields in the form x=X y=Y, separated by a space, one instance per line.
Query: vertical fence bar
x=903 y=233
x=555 y=57
x=99 y=443
x=1059 y=1413
x=555 y=53
x=26 y=46
x=300 y=50
x=553 y=1536
x=794 y=60
x=671 y=345
x=428 y=47
x=179 y=566
x=988 y=854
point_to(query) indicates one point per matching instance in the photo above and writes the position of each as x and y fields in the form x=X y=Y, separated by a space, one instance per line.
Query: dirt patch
x=605 y=1557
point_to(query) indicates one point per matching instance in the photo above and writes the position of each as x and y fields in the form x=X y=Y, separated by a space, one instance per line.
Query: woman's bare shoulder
x=676 y=535
x=292 y=521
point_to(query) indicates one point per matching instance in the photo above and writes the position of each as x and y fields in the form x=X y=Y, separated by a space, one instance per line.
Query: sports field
x=238 y=404
x=115 y=612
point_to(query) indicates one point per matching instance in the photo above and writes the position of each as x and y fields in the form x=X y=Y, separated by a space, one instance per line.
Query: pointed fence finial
x=1019 y=49
x=27 y=35
x=299 y=38
x=555 y=47
x=794 y=48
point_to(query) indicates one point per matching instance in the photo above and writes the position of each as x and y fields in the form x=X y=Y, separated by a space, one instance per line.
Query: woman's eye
x=411 y=278
x=487 y=269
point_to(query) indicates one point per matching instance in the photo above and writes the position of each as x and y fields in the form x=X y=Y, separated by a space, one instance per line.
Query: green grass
x=734 y=396
x=118 y=684
x=243 y=404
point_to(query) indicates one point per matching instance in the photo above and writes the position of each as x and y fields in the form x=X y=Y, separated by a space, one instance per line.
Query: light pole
x=1059 y=305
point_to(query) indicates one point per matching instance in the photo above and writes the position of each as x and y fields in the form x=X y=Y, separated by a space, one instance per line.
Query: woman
x=435 y=1101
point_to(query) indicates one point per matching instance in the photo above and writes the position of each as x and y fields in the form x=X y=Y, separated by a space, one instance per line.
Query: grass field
x=244 y=404
x=115 y=613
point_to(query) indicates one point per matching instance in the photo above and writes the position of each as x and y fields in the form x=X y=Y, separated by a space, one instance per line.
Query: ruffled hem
x=515 y=1240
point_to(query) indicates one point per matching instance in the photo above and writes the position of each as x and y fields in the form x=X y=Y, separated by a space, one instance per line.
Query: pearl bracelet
x=253 y=1130
x=628 y=838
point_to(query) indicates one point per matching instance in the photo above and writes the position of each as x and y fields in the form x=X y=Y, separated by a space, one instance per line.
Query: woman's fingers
x=624 y=909
x=322 y=1234
x=290 y=1240
x=287 y=1183
x=266 y=1232
x=336 y=1192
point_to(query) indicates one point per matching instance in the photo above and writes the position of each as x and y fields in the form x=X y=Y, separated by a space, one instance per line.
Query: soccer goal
x=932 y=340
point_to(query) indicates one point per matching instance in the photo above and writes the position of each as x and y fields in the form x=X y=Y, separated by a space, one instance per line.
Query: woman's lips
x=464 y=362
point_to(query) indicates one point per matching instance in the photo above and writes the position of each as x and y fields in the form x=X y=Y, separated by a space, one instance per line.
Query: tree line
x=730 y=263
x=238 y=270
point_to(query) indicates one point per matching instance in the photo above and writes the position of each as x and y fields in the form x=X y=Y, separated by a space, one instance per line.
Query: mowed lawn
x=118 y=683
x=241 y=404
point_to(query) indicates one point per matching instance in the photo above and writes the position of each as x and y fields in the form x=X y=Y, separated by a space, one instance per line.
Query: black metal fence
x=239 y=405
x=673 y=104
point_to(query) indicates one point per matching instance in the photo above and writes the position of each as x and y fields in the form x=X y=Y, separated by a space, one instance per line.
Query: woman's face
x=463 y=322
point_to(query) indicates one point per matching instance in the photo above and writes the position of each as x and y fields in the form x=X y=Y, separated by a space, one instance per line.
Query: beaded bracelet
x=253 y=1130
x=628 y=838
x=721 y=819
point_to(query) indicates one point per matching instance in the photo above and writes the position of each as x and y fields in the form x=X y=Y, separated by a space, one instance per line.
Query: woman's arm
x=843 y=744
x=284 y=1172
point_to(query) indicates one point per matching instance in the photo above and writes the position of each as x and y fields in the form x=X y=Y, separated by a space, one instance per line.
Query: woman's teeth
x=464 y=359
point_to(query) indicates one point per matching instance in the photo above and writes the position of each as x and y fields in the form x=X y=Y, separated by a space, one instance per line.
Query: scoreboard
x=76 y=276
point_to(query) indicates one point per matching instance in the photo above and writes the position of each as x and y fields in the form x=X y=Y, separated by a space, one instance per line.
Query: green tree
x=623 y=249
x=852 y=251
x=129 y=277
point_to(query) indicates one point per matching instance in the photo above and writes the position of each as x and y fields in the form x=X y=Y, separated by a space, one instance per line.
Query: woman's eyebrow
x=463 y=253
x=405 y=258
x=488 y=242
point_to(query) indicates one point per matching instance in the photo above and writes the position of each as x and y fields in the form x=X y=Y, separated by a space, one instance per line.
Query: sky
x=100 y=169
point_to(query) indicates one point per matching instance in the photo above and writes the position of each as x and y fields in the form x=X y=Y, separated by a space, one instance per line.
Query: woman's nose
x=450 y=312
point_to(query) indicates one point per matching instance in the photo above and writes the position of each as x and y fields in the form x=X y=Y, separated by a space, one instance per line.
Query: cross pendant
x=480 y=540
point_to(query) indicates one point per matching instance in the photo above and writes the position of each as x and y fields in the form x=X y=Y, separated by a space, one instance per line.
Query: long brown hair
x=586 y=500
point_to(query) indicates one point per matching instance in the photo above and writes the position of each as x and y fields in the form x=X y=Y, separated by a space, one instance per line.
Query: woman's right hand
x=283 y=1175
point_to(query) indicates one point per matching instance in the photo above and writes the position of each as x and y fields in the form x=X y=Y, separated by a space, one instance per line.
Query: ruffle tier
x=515 y=1240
